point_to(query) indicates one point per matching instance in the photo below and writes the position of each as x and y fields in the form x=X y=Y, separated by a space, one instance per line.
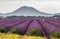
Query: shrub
x=34 y=32
x=3 y=30
x=56 y=34
x=16 y=31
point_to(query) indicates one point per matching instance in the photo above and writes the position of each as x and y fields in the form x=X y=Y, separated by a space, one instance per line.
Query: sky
x=48 y=6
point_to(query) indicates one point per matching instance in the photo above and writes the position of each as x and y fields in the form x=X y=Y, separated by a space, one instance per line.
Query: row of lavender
x=30 y=26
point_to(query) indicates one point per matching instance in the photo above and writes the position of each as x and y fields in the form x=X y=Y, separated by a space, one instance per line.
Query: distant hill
x=26 y=11
x=57 y=14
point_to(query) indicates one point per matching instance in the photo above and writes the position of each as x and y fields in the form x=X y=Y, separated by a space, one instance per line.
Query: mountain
x=27 y=11
x=57 y=14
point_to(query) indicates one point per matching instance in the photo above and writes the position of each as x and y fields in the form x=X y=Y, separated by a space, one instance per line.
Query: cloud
x=13 y=0
x=45 y=6
x=47 y=0
x=29 y=0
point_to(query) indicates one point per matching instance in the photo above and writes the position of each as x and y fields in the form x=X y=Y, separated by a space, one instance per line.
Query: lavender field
x=46 y=27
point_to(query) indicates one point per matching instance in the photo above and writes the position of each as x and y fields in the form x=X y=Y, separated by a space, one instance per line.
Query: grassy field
x=9 y=36
x=15 y=36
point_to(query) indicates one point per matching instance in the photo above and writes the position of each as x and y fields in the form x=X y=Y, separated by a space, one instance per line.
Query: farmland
x=31 y=28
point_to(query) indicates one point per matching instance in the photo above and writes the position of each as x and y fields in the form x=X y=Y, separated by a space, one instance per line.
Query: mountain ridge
x=27 y=11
